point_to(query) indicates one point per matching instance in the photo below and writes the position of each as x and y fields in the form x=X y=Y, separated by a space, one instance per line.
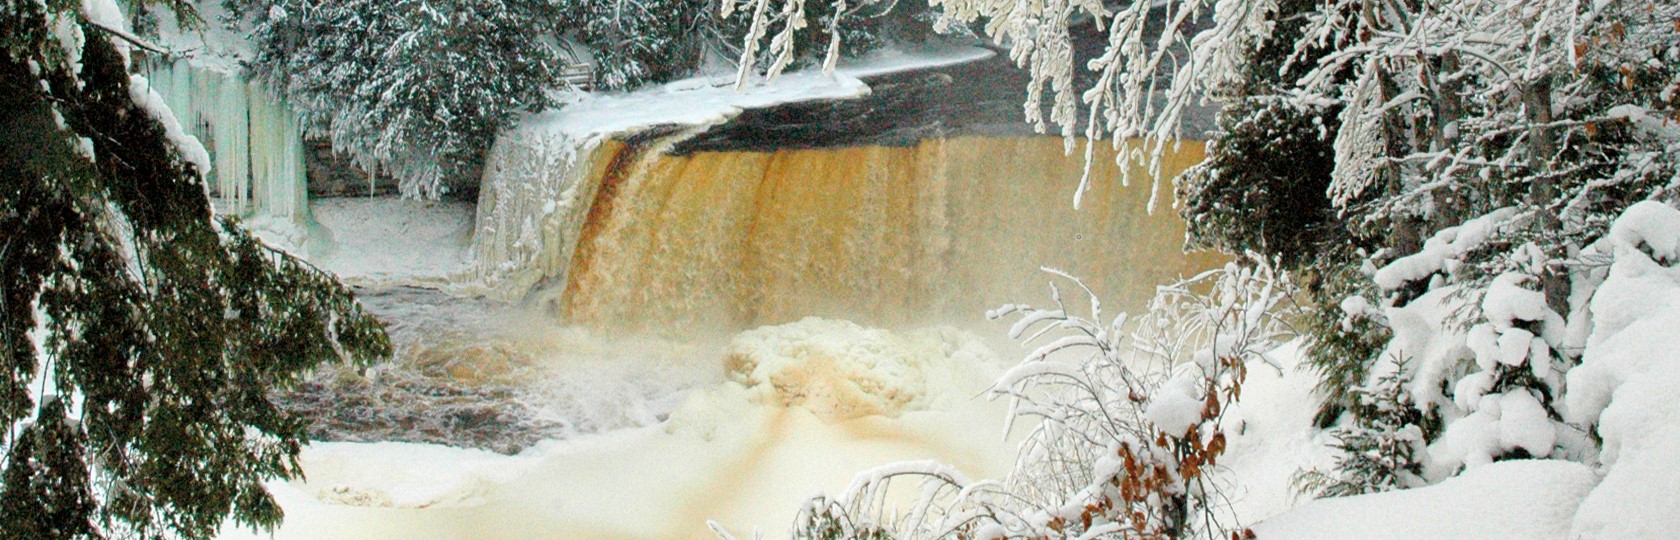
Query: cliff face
x=976 y=98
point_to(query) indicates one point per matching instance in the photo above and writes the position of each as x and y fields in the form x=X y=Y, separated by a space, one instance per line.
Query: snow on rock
x=1517 y=500
x=703 y=101
x=1626 y=383
x=391 y=240
x=839 y=370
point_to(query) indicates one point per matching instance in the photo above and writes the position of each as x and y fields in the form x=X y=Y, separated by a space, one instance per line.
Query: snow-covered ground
x=391 y=240
x=1516 y=500
x=1624 y=387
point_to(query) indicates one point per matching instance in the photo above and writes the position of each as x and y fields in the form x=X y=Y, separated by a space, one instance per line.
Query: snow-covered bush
x=1624 y=387
x=1126 y=423
x=1381 y=450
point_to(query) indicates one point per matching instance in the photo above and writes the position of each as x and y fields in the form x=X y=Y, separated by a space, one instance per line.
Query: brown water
x=885 y=236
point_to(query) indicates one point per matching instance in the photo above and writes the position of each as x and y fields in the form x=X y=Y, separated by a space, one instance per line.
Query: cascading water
x=737 y=330
x=673 y=336
x=255 y=142
x=626 y=236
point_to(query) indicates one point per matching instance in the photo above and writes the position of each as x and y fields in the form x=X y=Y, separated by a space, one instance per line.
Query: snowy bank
x=391 y=240
x=1627 y=379
x=1516 y=500
x=1623 y=390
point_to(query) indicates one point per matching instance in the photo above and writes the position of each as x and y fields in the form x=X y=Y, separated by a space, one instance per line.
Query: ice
x=385 y=241
x=252 y=151
x=837 y=369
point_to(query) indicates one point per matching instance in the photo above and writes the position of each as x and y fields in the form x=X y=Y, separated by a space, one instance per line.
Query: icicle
x=254 y=141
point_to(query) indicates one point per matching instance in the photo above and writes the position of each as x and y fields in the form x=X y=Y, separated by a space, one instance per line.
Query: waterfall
x=625 y=235
x=255 y=143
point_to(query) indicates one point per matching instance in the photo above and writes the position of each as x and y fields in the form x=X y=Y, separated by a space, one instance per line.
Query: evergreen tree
x=413 y=88
x=641 y=41
x=140 y=336
x=1380 y=450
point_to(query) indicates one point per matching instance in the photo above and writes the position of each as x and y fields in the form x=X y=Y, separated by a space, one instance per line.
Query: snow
x=105 y=13
x=1428 y=346
x=894 y=60
x=705 y=101
x=1625 y=384
x=1176 y=405
x=1649 y=226
x=70 y=39
x=391 y=240
x=454 y=477
x=1623 y=388
x=1508 y=302
x=1523 y=424
x=1517 y=500
x=213 y=46
x=1514 y=346
x=1441 y=251
x=1499 y=423
x=1271 y=437
x=140 y=90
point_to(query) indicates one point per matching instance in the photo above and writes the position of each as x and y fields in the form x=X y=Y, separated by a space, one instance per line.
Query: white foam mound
x=838 y=370
x=407 y=475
